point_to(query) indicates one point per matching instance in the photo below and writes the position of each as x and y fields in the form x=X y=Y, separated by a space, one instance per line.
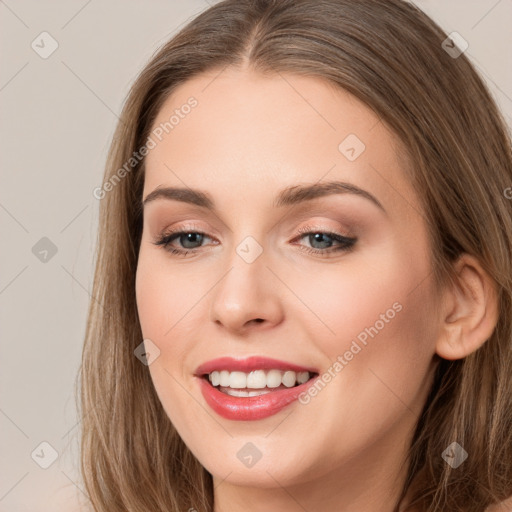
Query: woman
x=303 y=285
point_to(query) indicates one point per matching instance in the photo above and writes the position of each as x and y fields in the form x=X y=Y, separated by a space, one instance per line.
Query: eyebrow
x=289 y=196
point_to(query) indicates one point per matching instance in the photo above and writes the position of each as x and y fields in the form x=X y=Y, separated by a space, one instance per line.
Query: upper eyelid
x=302 y=217
x=315 y=217
x=315 y=225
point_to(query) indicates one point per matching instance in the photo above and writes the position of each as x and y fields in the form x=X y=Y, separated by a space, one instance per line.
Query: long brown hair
x=390 y=55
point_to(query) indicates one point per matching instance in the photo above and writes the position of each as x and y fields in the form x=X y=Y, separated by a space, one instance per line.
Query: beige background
x=57 y=117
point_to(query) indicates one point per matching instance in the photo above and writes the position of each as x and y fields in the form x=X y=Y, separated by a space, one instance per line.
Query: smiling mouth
x=257 y=382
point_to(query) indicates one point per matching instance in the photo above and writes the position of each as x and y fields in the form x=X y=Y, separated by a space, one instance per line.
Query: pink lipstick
x=252 y=388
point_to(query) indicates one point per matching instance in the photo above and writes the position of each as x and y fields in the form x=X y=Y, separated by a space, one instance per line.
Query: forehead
x=263 y=132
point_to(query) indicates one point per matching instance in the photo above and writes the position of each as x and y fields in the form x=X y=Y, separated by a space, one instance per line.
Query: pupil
x=317 y=237
x=192 y=238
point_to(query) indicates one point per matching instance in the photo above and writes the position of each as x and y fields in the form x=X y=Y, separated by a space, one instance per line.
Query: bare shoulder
x=504 y=506
x=69 y=498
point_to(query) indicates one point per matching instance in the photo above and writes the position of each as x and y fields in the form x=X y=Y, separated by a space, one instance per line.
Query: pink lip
x=254 y=407
x=248 y=365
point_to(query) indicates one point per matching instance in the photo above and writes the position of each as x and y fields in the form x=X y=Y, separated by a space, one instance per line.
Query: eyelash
x=347 y=243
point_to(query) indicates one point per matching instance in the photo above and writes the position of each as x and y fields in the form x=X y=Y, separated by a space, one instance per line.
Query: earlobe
x=470 y=310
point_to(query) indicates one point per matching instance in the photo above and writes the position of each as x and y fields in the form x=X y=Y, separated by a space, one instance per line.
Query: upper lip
x=249 y=364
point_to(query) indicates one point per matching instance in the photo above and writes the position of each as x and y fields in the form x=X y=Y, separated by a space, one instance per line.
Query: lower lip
x=251 y=407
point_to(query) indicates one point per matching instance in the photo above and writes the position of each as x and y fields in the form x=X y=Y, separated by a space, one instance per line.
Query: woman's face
x=282 y=263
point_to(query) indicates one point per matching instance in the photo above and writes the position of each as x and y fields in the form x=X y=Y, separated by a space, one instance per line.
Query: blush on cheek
x=158 y=302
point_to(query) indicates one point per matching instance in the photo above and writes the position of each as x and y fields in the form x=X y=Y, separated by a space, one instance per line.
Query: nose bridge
x=248 y=291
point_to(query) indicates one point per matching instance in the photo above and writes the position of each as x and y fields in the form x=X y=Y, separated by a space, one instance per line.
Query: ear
x=469 y=312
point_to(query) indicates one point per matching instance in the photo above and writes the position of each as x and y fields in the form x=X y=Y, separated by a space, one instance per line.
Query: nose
x=247 y=297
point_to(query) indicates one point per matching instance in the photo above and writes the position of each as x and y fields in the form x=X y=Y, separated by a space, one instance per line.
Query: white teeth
x=274 y=378
x=289 y=379
x=215 y=378
x=302 y=377
x=224 y=378
x=237 y=380
x=256 y=380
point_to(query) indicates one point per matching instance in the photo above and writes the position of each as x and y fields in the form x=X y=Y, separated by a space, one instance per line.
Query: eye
x=190 y=240
x=325 y=242
x=321 y=242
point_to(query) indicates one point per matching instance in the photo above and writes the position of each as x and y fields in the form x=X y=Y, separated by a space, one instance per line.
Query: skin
x=249 y=137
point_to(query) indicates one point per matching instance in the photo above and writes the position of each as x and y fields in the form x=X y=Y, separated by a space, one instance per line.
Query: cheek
x=163 y=300
x=162 y=295
x=385 y=329
x=382 y=290
x=172 y=309
x=379 y=347
x=378 y=319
